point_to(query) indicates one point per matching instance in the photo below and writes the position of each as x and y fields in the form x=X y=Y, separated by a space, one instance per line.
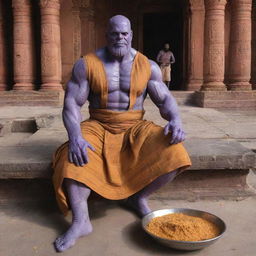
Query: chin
x=119 y=51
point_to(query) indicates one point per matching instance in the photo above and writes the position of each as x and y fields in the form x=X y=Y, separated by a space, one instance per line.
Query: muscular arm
x=166 y=103
x=76 y=94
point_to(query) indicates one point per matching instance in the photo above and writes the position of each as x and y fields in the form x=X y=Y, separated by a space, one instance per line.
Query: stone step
x=31 y=98
x=226 y=99
x=219 y=167
x=184 y=97
x=32 y=158
x=189 y=186
x=47 y=103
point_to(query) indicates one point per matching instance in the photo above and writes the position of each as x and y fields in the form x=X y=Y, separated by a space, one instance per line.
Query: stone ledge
x=33 y=159
x=31 y=98
x=226 y=99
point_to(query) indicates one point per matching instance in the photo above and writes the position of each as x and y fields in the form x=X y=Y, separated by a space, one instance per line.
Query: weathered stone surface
x=38 y=225
x=24 y=55
x=214 y=46
x=51 y=69
x=240 y=45
x=219 y=142
x=31 y=98
x=226 y=100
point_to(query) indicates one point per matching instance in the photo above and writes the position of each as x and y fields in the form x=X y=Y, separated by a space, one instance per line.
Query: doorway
x=159 y=28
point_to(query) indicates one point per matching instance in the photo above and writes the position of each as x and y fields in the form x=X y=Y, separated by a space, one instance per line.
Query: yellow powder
x=182 y=227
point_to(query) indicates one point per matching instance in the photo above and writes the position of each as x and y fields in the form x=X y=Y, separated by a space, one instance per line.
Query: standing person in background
x=165 y=58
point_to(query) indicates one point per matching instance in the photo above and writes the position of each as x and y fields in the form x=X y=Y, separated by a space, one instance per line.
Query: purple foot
x=68 y=239
x=138 y=205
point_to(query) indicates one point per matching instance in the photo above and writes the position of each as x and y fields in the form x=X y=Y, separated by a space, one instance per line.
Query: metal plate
x=185 y=245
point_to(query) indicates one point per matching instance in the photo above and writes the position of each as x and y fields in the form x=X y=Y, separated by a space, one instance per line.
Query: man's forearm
x=72 y=118
x=169 y=109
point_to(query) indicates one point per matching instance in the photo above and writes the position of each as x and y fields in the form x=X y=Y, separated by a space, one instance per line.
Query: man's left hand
x=175 y=128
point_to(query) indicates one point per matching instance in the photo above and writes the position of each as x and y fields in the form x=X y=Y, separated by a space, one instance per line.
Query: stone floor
x=29 y=230
x=215 y=140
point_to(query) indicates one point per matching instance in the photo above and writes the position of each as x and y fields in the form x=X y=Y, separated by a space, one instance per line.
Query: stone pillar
x=24 y=65
x=214 y=46
x=253 y=62
x=240 y=45
x=3 y=64
x=50 y=45
x=76 y=33
x=196 y=45
x=87 y=29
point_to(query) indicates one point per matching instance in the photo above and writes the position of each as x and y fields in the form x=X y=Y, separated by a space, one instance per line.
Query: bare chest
x=118 y=76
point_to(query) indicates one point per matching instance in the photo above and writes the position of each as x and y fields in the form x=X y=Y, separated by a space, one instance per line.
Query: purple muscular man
x=117 y=57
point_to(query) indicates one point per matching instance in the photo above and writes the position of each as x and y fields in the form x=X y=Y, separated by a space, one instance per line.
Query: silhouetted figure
x=165 y=58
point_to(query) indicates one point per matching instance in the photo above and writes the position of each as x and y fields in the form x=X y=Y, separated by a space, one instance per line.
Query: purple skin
x=117 y=57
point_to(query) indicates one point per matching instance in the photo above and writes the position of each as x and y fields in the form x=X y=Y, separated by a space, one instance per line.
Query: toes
x=66 y=246
x=59 y=241
x=62 y=245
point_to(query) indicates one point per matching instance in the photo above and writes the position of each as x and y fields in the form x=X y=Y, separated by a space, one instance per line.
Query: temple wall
x=67 y=28
x=40 y=42
x=227 y=36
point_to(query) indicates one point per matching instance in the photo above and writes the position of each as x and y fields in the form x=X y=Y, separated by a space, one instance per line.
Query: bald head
x=119 y=20
x=119 y=35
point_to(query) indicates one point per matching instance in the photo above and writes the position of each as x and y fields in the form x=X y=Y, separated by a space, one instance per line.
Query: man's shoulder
x=101 y=52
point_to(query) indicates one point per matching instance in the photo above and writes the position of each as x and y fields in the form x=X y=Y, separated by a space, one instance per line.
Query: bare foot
x=138 y=205
x=68 y=239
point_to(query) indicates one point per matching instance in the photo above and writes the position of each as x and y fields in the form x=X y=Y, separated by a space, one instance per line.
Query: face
x=166 y=46
x=119 y=38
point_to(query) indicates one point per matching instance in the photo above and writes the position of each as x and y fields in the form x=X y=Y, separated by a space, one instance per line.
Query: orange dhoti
x=129 y=154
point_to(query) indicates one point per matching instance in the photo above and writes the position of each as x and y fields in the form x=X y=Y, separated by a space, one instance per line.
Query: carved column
x=3 y=64
x=196 y=45
x=50 y=45
x=24 y=65
x=76 y=31
x=240 y=45
x=87 y=27
x=214 y=45
x=253 y=62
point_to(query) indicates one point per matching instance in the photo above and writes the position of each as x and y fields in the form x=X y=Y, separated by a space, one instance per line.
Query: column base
x=51 y=87
x=23 y=87
x=226 y=99
x=239 y=86
x=3 y=87
x=214 y=86
x=194 y=86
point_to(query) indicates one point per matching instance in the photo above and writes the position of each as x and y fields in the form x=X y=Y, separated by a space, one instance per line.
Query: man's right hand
x=78 y=151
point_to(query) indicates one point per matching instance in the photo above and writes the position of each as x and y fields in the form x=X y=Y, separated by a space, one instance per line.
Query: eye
x=125 y=34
